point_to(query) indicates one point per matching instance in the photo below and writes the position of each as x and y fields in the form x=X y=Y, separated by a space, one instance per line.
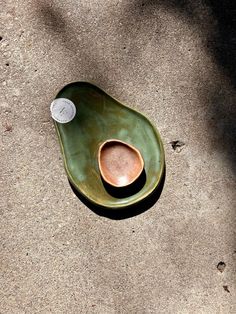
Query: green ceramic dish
x=100 y=117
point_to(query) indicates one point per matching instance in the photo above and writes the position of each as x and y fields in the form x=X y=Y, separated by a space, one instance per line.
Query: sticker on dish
x=63 y=110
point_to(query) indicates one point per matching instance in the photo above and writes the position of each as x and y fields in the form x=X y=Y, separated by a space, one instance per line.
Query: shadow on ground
x=56 y=23
x=222 y=103
x=223 y=46
x=128 y=212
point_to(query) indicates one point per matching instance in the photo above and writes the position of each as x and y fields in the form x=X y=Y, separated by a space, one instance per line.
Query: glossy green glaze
x=100 y=117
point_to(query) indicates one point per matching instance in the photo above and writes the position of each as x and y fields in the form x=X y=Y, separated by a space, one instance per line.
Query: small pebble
x=221 y=266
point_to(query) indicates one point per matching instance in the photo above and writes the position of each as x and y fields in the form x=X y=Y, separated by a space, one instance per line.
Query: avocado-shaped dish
x=94 y=119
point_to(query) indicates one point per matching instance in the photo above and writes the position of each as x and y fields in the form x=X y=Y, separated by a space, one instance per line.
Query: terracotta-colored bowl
x=120 y=164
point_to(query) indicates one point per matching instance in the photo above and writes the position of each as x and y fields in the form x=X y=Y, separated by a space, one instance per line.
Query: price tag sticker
x=62 y=110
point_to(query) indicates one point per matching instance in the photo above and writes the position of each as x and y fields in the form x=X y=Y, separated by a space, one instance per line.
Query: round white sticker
x=63 y=110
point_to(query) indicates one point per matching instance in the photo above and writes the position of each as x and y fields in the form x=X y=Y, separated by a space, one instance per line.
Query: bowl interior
x=120 y=164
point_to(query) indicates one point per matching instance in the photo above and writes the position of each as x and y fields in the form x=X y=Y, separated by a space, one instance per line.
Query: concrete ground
x=176 y=62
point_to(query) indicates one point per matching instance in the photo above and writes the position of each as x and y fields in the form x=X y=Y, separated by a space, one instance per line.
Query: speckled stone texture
x=173 y=60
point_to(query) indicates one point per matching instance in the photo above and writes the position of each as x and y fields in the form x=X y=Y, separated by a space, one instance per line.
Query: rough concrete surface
x=175 y=62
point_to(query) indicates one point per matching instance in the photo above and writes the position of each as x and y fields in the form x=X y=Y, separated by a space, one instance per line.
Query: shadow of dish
x=126 y=191
x=130 y=211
